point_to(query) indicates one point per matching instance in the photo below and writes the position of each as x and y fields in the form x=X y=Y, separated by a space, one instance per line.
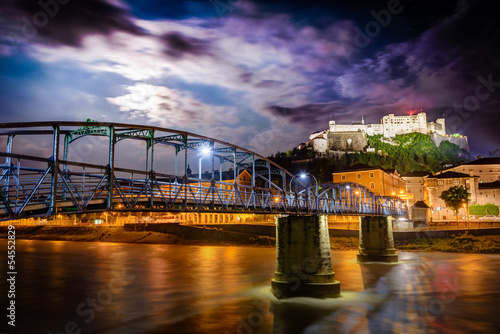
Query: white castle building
x=353 y=137
x=392 y=125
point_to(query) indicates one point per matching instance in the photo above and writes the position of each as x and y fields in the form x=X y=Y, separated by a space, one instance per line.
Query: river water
x=80 y=287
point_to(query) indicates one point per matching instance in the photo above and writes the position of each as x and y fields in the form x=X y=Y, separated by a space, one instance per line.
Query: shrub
x=483 y=210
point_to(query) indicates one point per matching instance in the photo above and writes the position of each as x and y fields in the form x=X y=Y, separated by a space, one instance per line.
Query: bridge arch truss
x=42 y=180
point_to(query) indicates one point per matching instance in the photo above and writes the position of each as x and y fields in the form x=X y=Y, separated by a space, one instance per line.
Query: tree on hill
x=455 y=197
x=416 y=151
x=409 y=152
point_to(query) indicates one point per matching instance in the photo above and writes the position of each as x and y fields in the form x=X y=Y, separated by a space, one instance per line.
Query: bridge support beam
x=303 y=258
x=376 y=241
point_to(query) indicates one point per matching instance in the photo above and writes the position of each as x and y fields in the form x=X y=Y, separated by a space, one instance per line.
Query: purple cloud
x=287 y=78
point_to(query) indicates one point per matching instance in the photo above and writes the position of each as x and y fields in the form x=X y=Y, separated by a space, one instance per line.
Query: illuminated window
x=371 y=174
x=358 y=175
x=440 y=183
x=372 y=185
x=342 y=177
x=455 y=182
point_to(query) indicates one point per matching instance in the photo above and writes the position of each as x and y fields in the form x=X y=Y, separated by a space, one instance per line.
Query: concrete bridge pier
x=376 y=241
x=303 y=258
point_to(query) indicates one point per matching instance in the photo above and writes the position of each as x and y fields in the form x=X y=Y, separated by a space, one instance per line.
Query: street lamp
x=466 y=207
x=205 y=151
x=303 y=176
x=291 y=180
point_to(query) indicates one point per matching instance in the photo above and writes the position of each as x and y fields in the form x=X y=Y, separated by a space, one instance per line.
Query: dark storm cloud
x=65 y=22
x=286 y=63
x=177 y=45
x=468 y=41
x=436 y=72
x=309 y=115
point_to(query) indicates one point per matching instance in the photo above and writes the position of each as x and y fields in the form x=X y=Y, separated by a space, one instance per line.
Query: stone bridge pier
x=303 y=258
x=376 y=241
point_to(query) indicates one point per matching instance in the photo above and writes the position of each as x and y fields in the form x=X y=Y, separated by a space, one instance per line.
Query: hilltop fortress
x=353 y=137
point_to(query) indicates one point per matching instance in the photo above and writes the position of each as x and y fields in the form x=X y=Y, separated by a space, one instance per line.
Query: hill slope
x=414 y=151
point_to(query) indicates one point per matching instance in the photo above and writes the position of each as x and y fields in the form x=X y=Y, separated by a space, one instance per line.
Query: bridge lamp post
x=290 y=186
x=303 y=176
x=204 y=152
x=466 y=208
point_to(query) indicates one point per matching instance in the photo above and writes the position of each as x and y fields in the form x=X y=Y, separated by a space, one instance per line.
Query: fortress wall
x=461 y=142
x=347 y=141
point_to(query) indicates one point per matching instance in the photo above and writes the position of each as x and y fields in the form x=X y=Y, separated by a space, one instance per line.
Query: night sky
x=259 y=74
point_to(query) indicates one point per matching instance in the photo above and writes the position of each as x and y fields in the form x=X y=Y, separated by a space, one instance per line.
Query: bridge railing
x=36 y=186
x=85 y=187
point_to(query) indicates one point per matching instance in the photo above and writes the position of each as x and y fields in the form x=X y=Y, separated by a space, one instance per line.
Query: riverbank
x=210 y=236
x=459 y=243
x=125 y=235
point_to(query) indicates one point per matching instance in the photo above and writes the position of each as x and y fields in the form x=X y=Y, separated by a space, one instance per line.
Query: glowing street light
x=205 y=151
x=466 y=208
x=304 y=175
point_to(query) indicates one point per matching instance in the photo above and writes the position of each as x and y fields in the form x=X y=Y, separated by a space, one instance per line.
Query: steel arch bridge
x=44 y=175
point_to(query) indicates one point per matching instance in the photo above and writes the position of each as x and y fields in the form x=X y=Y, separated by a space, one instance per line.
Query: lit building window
x=371 y=174
x=358 y=175
x=342 y=177
x=372 y=185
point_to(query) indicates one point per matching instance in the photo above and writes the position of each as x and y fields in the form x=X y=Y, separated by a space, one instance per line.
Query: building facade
x=319 y=141
x=415 y=185
x=434 y=185
x=377 y=180
x=489 y=193
x=487 y=169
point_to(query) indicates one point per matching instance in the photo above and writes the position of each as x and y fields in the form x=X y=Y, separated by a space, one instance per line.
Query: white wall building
x=487 y=169
x=414 y=185
x=319 y=141
x=392 y=125
x=389 y=127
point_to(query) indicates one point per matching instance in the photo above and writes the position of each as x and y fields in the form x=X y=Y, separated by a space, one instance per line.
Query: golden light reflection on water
x=194 y=289
x=347 y=270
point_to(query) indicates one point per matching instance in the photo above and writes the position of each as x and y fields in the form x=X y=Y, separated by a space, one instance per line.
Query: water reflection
x=193 y=289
